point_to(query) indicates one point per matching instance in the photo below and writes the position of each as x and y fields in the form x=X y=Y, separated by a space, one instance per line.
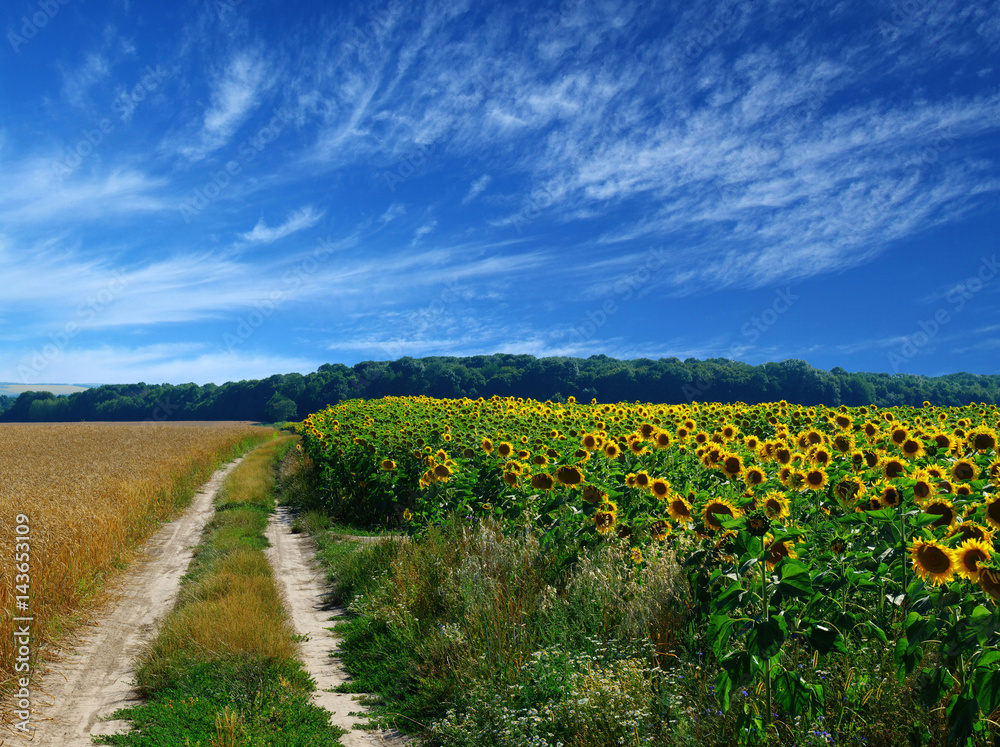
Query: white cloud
x=477 y=188
x=299 y=220
x=235 y=93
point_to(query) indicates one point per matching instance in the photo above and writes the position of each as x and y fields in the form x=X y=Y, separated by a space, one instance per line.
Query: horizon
x=218 y=191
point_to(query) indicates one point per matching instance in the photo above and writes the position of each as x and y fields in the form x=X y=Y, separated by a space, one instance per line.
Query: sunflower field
x=807 y=533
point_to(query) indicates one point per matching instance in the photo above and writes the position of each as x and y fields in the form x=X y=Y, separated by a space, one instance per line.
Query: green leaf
x=731 y=598
x=795 y=580
x=720 y=628
x=984 y=622
x=962 y=714
x=934 y=684
x=921 y=520
x=986 y=681
x=825 y=640
x=876 y=631
x=793 y=695
x=767 y=637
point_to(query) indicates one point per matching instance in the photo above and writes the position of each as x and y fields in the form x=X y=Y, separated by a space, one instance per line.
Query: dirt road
x=94 y=677
x=292 y=557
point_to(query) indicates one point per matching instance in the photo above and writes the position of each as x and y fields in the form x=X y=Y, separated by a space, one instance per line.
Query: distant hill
x=292 y=396
x=13 y=390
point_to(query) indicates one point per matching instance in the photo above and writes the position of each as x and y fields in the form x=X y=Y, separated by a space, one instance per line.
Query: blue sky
x=212 y=191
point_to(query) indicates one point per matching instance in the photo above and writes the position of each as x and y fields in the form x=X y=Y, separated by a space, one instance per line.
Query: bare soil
x=292 y=557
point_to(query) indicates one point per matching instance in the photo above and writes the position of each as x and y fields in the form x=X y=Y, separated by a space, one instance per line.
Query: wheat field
x=86 y=495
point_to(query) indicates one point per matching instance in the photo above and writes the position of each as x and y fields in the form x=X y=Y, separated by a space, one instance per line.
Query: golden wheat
x=91 y=493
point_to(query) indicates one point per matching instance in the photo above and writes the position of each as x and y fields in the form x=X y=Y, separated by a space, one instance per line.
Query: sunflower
x=970 y=530
x=718 y=506
x=893 y=468
x=505 y=449
x=661 y=439
x=592 y=494
x=407 y=515
x=660 y=488
x=989 y=581
x=605 y=521
x=589 y=442
x=388 y=465
x=775 y=505
x=510 y=478
x=993 y=512
x=820 y=455
x=637 y=448
x=943 y=508
x=642 y=480
x=442 y=472
x=838 y=546
x=924 y=488
x=933 y=561
x=943 y=441
x=542 y=481
x=816 y=478
x=568 y=475
x=969 y=555
x=732 y=464
x=898 y=433
x=849 y=490
x=889 y=495
x=679 y=509
x=754 y=476
x=659 y=530
x=912 y=448
x=843 y=443
x=783 y=455
x=982 y=439
x=758 y=523
x=612 y=450
x=964 y=470
x=777 y=551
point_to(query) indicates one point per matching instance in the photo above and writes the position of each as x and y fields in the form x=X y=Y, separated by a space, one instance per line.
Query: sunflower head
x=816 y=478
x=944 y=509
x=933 y=562
x=754 y=476
x=993 y=512
x=838 y=546
x=777 y=551
x=969 y=555
x=732 y=464
x=775 y=505
x=893 y=467
x=982 y=440
x=612 y=450
x=758 y=523
x=679 y=509
x=660 y=488
x=569 y=475
x=964 y=470
x=659 y=530
x=989 y=581
x=605 y=521
x=721 y=507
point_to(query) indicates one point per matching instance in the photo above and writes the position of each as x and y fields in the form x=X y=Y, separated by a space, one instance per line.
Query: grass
x=473 y=635
x=92 y=493
x=222 y=669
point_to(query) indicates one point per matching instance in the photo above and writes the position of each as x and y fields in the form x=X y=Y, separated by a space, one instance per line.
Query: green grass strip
x=222 y=669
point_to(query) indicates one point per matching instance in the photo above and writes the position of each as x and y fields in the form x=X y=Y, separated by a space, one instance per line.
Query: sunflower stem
x=767 y=618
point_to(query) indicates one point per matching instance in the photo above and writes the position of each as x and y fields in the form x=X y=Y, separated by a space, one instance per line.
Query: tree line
x=292 y=396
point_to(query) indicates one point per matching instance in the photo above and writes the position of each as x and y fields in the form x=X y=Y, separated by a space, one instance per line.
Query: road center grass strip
x=222 y=669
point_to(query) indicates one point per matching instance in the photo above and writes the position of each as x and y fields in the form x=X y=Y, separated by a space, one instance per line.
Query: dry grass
x=92 y=493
